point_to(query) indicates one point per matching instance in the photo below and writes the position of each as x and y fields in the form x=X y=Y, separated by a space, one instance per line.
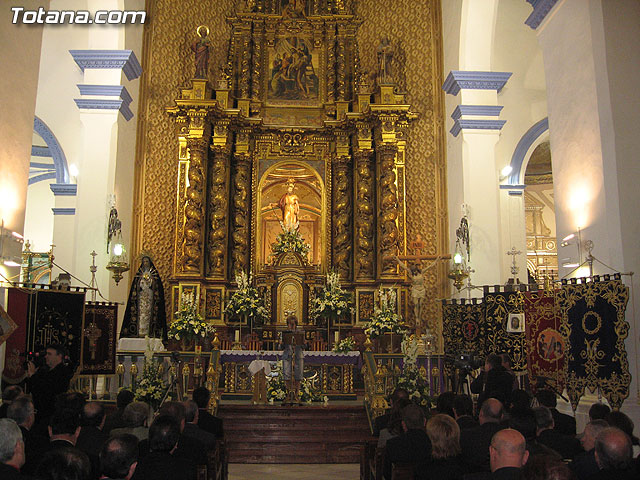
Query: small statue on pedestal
x=201 y=50
x=385 y=56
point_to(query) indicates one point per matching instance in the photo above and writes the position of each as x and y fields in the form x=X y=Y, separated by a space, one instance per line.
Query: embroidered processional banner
x=99 y=339
x=463 y=328
x=594 y=328
x=505 y=325
x=56 y=317
x=545 y=345
x=18 y=305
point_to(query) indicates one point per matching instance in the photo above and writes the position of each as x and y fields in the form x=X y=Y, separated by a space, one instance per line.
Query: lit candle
x=237 y=335
x=336 y=336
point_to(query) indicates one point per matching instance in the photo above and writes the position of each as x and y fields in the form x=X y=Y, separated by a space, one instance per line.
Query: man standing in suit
x=191 y=428
x=206 y=421
x=11 y=450
x=493 y=382
x=475 y=441
x=508 y=454
x=413 y=446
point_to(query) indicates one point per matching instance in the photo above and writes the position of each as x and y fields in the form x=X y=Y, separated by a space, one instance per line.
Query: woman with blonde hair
x=444 y=433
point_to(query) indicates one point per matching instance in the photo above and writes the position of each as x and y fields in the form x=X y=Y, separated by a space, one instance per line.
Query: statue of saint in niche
x=290 y=207
x=200 y=48
x=145 y=314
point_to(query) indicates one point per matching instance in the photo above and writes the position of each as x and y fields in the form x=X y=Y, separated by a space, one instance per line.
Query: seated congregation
x=81 y=442
x=525 y=437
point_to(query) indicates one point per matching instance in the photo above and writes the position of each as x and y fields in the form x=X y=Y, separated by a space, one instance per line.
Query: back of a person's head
x=64 y=422
x=92 y=414
x=10 y=393
x=70 y=401
x=444 y=433
x=163 y=434
x=394 y=425
x=201 y=396
x=620 y=420
x=524 y=421
x=413 y=417
x=463 y=405
x=399 y=393
x=10 y=435
x=173 y=409
x=135 y=414
x=494 y=360
x=547 y=398
x=117 y=455
x=546 y=467
x=544 y=419
x=124 y=398
x=444 y=403
x=491 y=410
x=506 y=360
x=613 y=449
x=520 y=401
x=190 y=410
x=64 y=463
x=599 y=411
x=20 y=409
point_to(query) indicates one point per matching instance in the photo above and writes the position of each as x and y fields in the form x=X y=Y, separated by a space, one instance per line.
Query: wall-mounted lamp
x=118 y=257
x=505 y=172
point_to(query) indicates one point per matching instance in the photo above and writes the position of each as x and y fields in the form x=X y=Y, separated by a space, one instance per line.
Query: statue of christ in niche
x=290 y=207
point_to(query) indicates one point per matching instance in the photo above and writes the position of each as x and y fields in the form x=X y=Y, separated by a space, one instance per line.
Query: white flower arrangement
x=345 y=345
x=277 y=390
x=246 y=301
x=332 y=301
x=290 y=240
x=189 y=323
x=385 y=319
x=413 y=378
x=151 y=387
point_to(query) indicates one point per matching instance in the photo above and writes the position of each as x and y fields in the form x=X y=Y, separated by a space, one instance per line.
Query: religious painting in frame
x=365 y=304
x=213 y=305
x=7 y=325
x=292 y=73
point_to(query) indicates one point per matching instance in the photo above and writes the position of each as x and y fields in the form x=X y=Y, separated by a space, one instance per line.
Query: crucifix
x=93 y=333
x=514 y=268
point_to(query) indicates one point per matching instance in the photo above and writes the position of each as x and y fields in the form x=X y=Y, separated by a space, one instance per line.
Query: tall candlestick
x=237 y=335
x=336 y=336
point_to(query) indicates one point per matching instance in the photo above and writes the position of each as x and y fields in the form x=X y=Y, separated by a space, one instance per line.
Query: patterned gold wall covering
x=414 y=29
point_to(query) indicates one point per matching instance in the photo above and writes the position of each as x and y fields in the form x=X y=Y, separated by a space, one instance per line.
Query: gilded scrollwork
x=364 y=217
x=388 y=209
x=342 y=214
x=342 y=69
x=331 y=68
x=257 y=67
x=244 y=67
x=194 y=209
x=218 y=205
x=240 y=215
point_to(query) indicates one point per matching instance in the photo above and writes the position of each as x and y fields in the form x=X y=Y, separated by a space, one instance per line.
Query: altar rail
x=381 y=372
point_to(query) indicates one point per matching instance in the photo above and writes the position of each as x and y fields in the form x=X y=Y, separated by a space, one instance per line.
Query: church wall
x=586 y=164
x=38 y=221
x=20 y=58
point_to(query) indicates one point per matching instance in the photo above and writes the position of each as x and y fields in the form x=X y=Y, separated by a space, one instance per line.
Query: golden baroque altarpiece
x=292 y=107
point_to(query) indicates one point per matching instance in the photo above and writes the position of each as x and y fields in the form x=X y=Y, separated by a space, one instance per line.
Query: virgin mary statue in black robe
x=145 y=314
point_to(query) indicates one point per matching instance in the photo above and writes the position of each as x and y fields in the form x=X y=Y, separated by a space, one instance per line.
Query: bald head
x=613 y=449
x=93 y=415
x=491 y=411
x=508 y=449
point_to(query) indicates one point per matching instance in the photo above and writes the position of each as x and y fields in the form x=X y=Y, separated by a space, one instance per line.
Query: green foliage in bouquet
x=291 y=241
x=277 y=389
x=413 y=378
x=246 y=301
x=345 y=345
x=332 y=301
x=385 y=319
x=189 y=324
x=151 y=387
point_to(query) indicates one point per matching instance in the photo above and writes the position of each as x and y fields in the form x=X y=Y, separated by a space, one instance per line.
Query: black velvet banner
x=594 y=328
x=99 y=339
x=463 y=327
x=504 y=331
x=56 y=317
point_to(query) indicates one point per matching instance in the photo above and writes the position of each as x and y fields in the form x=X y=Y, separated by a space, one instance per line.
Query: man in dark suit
x=508 y=454
x=191 y=428
x=206 y=421
x=614 y=455
x=382 y=421
x=160 y=462
x=493 y=382
x=463 y=412
x=48 y=381
x=21 y=411
x=11 y=450
x=119 y=457
x=475 y=442
x=114 y=420
x=565 y=424
x=91 y=436
x=584 y=464
x=413 y=446
x=567 y=446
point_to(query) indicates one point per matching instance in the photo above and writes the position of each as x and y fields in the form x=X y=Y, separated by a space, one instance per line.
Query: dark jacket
x=475 y=445
x=7 y=472
x=452 y=468
x=114 y=420
x=90 y=440
x=202 y=436
x=413 y=446
x=210 y=424
x=466 y=421
x=565 y=445
x=506 y=473
x=34 y=445
x=161 y=465
x=584 y=464
x=45 y=385
x=496 y=383
x=563 y=423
